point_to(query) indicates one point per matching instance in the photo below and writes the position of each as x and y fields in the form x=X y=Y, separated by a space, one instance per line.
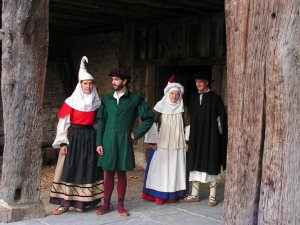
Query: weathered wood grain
x=263 y=105
x=24 y=59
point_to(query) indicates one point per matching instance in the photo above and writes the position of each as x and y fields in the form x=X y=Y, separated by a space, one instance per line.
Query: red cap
x=172 y=79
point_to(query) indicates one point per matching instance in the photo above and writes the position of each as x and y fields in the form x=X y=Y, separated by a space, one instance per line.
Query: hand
x=63 y=150
x=132 y=136
x=186 y=147
x=154 y=147
x=100 y=151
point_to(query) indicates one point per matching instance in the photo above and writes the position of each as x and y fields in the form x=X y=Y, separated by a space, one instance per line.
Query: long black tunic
x=207 y=147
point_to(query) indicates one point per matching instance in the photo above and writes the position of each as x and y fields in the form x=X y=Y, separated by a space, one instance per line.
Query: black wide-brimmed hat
x=203 y=76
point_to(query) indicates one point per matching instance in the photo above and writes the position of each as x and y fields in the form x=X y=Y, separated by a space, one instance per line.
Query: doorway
x=183 y=76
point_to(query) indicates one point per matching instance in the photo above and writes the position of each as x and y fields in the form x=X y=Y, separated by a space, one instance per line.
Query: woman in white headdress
x=165 y=177
x=78 y=181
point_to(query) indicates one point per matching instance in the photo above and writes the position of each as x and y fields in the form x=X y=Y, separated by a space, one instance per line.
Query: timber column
x=24 y=59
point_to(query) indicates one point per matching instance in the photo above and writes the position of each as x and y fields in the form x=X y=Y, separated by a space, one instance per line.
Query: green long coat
x=115 y=124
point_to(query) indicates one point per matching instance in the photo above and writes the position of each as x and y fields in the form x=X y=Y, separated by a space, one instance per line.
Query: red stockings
x=109 y=187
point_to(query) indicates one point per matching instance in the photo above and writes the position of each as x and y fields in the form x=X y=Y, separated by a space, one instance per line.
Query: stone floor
x=142 y=212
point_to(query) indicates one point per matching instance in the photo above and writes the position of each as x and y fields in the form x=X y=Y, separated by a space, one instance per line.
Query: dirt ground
x=135 y=180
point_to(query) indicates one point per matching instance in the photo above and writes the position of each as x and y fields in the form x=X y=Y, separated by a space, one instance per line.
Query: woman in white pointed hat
x=78 y=182
x=165 y=176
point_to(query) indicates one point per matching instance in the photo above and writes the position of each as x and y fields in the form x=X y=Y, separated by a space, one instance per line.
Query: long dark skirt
x=78 y=181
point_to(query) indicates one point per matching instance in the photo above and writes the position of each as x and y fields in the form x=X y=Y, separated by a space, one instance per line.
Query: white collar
x=118 y=97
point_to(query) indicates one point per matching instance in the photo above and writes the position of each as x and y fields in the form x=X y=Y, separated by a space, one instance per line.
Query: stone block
x=45 y=116
x=21 y=211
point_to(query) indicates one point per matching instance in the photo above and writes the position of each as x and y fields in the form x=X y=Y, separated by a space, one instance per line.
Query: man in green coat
x=116 y=117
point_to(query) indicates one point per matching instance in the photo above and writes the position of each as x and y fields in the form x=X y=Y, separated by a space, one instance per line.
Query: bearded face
x=117 y=83
x=117 y=87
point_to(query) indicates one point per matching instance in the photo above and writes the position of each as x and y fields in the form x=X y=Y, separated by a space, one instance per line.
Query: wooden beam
x=150 y=79
x=262 y=178
x=76 y=31
x=147 y=13
x=181 y=62
x=84 y=11
x=77 y=3
x=24 y=59
x=216 y=77
x=217 y=4
x=184 y=21
x=127 y=48
x=215 y=1
x=57 y=22
x=79 y=18
x=171 y=5
x=125 y=11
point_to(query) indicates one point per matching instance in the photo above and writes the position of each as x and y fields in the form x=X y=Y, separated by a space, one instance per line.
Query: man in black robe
x=208 y=138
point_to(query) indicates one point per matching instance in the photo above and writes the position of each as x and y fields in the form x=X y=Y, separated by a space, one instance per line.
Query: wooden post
x=127 y=48
x=24 y=58
x=262 y=179
x=216 y=76
x=150 y=82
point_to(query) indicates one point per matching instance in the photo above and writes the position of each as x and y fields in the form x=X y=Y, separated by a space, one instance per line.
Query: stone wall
x=102 y=52
x=54 y=96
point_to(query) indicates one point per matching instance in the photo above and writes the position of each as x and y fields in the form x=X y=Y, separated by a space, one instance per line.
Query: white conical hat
x=83 y=74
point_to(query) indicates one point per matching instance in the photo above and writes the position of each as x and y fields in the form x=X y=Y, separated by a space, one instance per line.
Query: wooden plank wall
x=190 y=41
x=196 y=37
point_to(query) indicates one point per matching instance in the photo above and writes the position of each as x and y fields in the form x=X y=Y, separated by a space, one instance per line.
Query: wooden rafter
x=69 y=16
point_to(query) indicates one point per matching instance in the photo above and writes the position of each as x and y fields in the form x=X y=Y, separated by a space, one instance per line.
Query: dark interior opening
x=17 y=196
x=183 y=76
